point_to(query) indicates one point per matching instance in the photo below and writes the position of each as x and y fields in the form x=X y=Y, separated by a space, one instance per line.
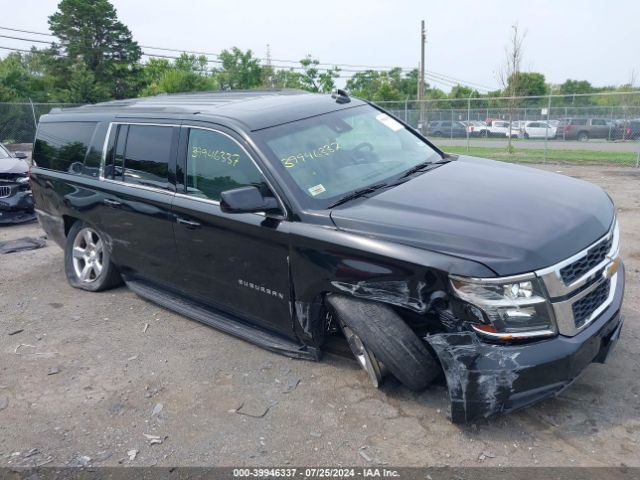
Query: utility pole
x=269 y=69
x=421 y=89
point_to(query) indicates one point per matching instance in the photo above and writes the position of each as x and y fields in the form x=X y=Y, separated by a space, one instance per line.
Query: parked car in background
x=446 y=128
x=583 y=129
x=626 y=130
x=475 y=128
x=16 y=200
x=501 y=128
x=537 y=129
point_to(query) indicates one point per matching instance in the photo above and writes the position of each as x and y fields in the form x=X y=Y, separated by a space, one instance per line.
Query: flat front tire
x=380 y=340
x=87 y=261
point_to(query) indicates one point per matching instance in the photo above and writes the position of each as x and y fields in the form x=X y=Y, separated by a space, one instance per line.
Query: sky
x=578 y=39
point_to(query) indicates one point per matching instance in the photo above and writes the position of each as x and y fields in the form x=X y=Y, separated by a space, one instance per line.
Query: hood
x=510 y=218
x=13 y=166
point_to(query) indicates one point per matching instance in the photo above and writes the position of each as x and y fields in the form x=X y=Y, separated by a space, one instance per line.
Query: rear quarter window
x=62 y=146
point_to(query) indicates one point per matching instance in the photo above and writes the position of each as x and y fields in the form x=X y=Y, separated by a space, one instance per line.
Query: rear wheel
x=380 y=341
x=87 y=261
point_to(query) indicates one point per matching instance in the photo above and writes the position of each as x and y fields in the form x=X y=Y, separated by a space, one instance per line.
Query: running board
x=224 y=323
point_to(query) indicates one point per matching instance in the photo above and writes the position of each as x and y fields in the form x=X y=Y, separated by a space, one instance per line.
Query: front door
x=234 y=262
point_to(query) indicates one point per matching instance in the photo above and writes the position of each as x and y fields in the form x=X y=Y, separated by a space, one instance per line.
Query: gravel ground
x=94 y=373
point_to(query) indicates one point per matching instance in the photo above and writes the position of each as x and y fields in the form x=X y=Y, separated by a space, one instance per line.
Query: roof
x=257 y=109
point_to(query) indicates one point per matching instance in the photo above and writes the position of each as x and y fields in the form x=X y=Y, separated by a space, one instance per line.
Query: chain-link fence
x=615 y=107
x=605 y=122
x=18 y=120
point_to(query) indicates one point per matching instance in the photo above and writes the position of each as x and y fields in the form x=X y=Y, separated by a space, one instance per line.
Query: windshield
x=4 y=153
x=325 y=157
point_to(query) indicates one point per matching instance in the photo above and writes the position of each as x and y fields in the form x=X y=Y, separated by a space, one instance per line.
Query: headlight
x=509 y=308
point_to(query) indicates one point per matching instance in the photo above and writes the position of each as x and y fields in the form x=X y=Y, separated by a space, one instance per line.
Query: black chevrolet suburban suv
x=295 y=220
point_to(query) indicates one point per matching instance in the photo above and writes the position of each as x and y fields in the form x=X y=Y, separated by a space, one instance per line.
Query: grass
x=527 y=155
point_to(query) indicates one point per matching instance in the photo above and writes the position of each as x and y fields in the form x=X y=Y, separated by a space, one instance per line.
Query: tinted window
x=216 y=163
x=598 y=122
x=147 y=154
x=579 y=121
x=94 y=155
x=62 y=145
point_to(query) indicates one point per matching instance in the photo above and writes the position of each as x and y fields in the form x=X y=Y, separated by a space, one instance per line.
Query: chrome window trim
x=103 y=160
x=249 y=156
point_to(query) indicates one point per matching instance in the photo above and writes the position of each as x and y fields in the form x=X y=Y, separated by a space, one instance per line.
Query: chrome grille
x=584 y=308
x=5 y=191
x=581 y=287
x=594 y=256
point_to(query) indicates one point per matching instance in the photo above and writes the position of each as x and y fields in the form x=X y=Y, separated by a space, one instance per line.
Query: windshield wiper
x=357 y=194
x=423 y=166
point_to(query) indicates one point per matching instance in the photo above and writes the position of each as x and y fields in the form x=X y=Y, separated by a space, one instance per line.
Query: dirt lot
x=89 y=382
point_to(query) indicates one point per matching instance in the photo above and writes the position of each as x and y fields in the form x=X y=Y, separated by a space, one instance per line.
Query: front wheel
x=583 y=136
x=87 y=261
x=380 y=340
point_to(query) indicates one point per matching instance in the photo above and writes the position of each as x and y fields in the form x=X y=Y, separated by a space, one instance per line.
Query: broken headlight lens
x=508 y=308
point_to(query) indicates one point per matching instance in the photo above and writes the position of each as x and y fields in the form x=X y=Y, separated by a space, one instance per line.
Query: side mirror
x=20 y=155
x=247 y=200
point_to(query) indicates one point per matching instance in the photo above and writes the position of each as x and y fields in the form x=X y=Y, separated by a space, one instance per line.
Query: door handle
x=188 y=223
x=111 y=203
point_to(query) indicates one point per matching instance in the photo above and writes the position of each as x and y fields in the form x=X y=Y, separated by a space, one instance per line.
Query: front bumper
x=17 y=208
x=484 y=379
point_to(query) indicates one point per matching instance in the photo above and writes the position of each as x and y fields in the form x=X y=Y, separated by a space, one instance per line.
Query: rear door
x=235 y=262
x=599 y=128
x=139 y=176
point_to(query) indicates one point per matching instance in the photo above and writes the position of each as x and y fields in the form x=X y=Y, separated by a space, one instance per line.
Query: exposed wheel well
x=68 y=223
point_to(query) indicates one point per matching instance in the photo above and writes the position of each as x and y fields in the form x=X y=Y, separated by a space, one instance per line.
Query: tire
x=391 y=341
x=583 y=136
x=437 y=134
x=90 y=268
x=526 y=136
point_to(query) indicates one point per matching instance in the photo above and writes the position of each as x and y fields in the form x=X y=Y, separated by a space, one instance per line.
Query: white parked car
x=537 y=129
x=501 y=128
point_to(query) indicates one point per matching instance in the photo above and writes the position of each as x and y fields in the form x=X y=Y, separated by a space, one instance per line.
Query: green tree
x=287 y=78
x=313 y=80
x=188 y=73
x=240 y=70
x=89 y=31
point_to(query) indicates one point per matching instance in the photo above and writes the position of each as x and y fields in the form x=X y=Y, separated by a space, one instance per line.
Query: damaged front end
x=16 y=199
x=487 y=374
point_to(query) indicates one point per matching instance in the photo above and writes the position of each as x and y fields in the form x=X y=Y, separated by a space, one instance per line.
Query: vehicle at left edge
x=16 y=199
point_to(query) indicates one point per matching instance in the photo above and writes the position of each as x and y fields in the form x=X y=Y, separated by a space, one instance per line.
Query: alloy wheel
x=88 y=255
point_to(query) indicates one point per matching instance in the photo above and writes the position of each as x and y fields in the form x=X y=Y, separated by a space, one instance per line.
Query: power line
x=351 y=68
x=25 y=39
x=26 y=31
